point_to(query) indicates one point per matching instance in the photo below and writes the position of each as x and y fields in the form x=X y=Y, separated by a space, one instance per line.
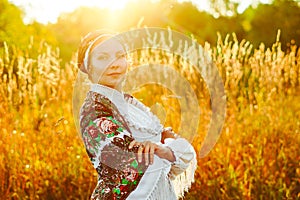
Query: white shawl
x=162 y=180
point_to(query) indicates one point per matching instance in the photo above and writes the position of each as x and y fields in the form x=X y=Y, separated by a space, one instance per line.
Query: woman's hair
x=92 y=38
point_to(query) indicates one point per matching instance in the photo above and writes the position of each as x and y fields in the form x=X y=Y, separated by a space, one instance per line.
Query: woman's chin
x=116 y=86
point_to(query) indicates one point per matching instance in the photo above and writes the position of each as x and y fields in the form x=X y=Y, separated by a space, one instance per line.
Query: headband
x=87 y=52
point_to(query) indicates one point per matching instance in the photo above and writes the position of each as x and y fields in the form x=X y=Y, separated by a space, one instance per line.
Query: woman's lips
x=113 y=74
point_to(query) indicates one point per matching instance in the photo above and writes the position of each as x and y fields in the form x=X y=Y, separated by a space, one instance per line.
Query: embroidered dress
x=109 y=121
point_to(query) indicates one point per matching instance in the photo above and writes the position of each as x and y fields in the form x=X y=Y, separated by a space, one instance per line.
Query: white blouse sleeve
x=183 y=168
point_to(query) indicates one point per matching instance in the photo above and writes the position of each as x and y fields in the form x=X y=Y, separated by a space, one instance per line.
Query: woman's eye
x=102 y=57
x=121 y=55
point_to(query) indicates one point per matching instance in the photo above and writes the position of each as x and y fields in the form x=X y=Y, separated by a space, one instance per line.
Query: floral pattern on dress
x=118 y=170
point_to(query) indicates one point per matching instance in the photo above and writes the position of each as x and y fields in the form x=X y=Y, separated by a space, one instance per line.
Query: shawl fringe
x=183 y=182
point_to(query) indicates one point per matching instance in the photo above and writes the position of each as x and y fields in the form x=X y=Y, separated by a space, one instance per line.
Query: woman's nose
x=117 y=63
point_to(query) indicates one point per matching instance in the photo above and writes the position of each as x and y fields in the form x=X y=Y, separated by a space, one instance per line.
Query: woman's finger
x=134 y=142
x=146 y=152
x=140 y=152
x=151 y=153
x=147 y=148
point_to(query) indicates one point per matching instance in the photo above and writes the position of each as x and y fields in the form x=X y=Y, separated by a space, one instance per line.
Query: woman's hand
x=148 y=149
x=167 y=133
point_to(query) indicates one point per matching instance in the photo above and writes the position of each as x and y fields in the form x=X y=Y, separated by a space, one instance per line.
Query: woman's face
x=108 y=63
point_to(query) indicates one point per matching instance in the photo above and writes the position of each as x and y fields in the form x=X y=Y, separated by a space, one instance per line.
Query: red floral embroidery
x=105 y=125
x=119 y=171
x=131 y=174
x=123 y=187
x=92 y=131
x=87 y=142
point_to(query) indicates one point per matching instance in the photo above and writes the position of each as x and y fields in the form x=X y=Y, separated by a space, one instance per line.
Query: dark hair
x=86 y=41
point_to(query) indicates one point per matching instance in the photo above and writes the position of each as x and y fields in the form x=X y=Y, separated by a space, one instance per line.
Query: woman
x=135 y=157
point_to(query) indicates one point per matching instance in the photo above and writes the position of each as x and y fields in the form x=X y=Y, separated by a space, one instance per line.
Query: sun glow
x=112 y=4
x=45 y=11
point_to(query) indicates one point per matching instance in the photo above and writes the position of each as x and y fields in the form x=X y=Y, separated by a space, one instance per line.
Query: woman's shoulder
x=96 y=102
x=134 y=101
x=97 y=97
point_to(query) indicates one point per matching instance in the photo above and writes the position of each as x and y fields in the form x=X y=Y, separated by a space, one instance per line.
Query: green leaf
x=91 y=123
x=110 y=117
x=124 y=181
x=98 y=139
x=117 y=190
x=140 y=172
x=111 y=135
x=134 y=164
x=120 y=129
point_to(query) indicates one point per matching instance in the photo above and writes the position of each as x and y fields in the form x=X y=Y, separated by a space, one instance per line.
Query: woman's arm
x=147 y=149
x=174 y=149
x=167 y=133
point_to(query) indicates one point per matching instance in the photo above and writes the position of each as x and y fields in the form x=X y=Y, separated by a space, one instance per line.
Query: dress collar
x=110 y=93
x=133 y=112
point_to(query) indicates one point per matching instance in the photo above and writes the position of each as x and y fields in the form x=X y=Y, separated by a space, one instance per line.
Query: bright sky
x=45 y=11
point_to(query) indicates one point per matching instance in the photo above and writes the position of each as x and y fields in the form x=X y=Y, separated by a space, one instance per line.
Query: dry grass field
x=256 y=157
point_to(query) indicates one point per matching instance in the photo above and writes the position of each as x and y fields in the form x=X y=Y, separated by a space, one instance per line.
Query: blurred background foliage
x=256 y=157
x=256 y=24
